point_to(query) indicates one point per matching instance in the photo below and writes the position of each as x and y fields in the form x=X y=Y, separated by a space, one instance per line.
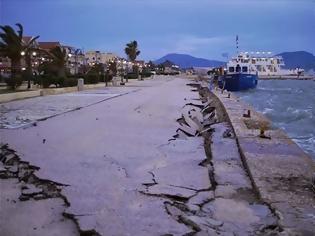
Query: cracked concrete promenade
x=101 y=155
x=155 y=157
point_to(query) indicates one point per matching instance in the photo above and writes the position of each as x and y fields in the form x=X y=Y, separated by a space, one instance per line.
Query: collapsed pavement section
x=208 y=191
x=29 y=205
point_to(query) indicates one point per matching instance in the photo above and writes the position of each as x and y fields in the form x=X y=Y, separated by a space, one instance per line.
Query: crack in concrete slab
x=32 y=186
x=29 y=123
x=213 y=112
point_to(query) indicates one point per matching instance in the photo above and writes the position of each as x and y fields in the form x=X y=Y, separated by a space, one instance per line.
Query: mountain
x=187 y=61
x=301 y=59
x=292 y=60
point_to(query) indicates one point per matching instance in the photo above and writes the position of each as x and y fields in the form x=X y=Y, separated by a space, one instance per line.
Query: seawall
x=279 y=170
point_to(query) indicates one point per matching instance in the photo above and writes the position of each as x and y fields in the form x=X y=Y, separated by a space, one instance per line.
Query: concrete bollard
x=139 y=77
x=247 y=115
x=114 y=80
x=80 y=84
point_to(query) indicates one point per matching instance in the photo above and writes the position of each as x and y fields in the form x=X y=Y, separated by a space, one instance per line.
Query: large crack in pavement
x=33 y=188
x=229 y=205
x=201 y=181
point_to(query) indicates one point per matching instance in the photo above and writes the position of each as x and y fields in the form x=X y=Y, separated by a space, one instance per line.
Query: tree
x=151 y=65
x=57 y=64
x=12 y=46
x=132 y=50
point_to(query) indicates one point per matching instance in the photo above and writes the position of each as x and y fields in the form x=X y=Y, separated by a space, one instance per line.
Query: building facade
x=95 y=57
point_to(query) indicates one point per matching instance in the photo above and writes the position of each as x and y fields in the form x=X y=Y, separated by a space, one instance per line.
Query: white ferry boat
x=263 y=64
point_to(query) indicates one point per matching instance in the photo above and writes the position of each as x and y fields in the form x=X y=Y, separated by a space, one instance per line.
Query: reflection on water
x=290 y=104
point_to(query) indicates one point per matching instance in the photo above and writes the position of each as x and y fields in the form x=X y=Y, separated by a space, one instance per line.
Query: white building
x=76 y=59
x=94 y=57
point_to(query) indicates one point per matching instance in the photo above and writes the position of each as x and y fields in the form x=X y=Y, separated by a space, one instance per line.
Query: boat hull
x=238 y=82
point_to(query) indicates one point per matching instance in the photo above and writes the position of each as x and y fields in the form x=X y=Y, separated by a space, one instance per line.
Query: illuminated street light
x=34 y=54
x=22 y=53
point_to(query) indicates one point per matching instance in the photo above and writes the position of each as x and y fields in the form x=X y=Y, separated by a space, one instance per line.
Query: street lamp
x=22 y=53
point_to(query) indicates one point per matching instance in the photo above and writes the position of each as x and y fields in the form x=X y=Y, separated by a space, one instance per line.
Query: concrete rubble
x=188 y=177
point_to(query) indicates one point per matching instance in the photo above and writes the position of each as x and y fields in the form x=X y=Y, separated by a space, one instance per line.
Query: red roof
x=26 y=39
x=48 y=45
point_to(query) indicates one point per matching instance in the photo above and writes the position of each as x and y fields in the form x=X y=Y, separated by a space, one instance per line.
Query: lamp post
x=28 y=61
x=121 y=71
x=125 y=68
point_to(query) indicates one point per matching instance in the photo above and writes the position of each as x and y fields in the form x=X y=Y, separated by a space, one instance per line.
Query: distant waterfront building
x=47 y=46
x=170 y=67
x=76 y=59
x=95 y=57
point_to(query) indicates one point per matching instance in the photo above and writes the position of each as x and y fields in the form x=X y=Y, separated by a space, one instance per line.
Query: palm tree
x=12 y=46
x=59 y=59
x=132 y=50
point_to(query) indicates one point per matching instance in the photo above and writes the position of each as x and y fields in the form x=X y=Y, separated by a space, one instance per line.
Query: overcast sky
x=202 y=28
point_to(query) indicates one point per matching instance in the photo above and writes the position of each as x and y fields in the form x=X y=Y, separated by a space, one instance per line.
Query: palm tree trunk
x=28 y=70
x=15 y=67
x=61 y=72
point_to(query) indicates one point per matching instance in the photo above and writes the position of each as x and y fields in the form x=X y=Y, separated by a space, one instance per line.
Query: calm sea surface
x=290 y=104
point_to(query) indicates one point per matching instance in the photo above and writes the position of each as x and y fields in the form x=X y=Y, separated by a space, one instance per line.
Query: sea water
x=290 y=105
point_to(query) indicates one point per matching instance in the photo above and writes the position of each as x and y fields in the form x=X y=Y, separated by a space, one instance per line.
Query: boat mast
x=237 y=51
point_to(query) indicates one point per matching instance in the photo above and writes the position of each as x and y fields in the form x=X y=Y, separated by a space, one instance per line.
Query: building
x=170 y=67
x=95 y=57
x=47 y=46
x=76 y=59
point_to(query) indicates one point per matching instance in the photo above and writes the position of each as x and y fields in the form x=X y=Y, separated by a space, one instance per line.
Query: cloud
x=193 y=43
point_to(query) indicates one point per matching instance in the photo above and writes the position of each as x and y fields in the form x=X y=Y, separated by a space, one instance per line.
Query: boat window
x=231 y=69
x=244 y=69
x=238 y=68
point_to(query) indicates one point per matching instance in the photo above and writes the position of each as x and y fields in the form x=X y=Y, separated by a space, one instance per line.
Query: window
x=231 y=69
x=244 y=69
x=238 y=68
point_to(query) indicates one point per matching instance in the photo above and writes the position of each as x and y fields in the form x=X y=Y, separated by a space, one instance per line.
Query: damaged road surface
x=114 y=163
x=162 y=160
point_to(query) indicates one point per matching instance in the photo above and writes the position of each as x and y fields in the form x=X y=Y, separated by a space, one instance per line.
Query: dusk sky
x=202 y=28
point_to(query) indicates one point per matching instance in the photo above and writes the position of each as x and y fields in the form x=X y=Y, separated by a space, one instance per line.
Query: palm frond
x=20 y=31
